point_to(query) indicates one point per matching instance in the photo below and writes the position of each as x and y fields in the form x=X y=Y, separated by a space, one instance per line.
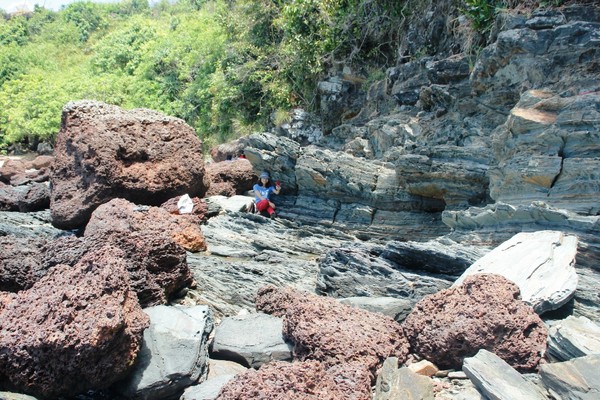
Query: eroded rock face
x=103 y=152
x=305 y=380
x=484 y=312
x=77 y=328
x=324 y=329
x=229 y=178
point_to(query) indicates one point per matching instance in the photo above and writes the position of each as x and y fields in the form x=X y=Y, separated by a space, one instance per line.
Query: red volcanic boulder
x=103 y=152
x=119 y=217
x=76 y=329
x=300 y=381
x=228 y=178
x=484 y=312
x=156 y=265
x=326 y=330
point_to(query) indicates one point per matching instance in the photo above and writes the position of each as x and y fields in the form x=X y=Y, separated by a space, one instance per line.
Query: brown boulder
x=103 y=152
x=326 y=330
x=76 y=329
x=157 y=267
x=12 y=168
x=484 y=312
x=308 y=380
x=118 y=217
x=228 y=178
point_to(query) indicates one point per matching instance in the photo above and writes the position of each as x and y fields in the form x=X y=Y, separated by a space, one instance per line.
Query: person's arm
x=277 y=189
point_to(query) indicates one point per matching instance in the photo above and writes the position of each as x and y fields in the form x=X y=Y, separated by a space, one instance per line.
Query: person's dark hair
x=264 y=174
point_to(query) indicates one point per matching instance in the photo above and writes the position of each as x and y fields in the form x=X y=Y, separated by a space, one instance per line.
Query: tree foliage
x=224 y=66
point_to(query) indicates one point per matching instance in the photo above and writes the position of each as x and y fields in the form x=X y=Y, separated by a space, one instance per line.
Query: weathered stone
x=207 y=390
x=300 y=381
x=251 y=339
x=82 y=327
x=33 y=224
x=120 y=216
x=482 y=313
x=398 y=309
x=576 y=379
x=367 y=270
x=156 y=266
x=314 y=325
x=424 y=367
x=235 y=203
x=20 y=262
x=103 y=152
x=174 y=353
x=498 y=380
x=401 y=383
x=25 y=198
x=490 y=226
x=573 y=337
x=541 y=263
x=229 y=178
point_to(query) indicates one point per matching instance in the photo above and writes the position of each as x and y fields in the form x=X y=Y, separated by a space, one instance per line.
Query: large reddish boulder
x=76 y=329
x=228 y=178
x=308 y=380
x=118 y=217
x=324 y=329
x=156 y=265
x=103 y=152
x=484 y=312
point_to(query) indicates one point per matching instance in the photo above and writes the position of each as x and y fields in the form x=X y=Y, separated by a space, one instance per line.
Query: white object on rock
x=185 y=205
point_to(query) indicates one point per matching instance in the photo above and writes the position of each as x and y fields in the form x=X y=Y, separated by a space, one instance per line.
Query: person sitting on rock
x=262 y=192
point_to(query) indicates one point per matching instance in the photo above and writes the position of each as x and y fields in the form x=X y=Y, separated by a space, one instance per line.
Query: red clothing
x=264 y=205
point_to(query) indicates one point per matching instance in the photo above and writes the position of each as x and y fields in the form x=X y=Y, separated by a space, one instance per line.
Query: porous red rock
x=103 y=152
x=307 y=380
x=120 y=216
x=324 y=329
x=76 y=329
x=156 y=265
x=228 y=178
x=484 y=312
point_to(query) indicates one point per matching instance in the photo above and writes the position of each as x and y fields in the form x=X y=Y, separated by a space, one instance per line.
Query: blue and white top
x=265 y=192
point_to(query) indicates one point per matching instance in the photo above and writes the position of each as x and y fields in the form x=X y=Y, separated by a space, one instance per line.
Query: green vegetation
x=224 y=66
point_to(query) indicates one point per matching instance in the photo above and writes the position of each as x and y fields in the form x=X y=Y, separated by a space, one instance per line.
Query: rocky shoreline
x=441 y=244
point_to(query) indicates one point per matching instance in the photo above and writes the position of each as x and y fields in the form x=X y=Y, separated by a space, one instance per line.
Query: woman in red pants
x=262 y=191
